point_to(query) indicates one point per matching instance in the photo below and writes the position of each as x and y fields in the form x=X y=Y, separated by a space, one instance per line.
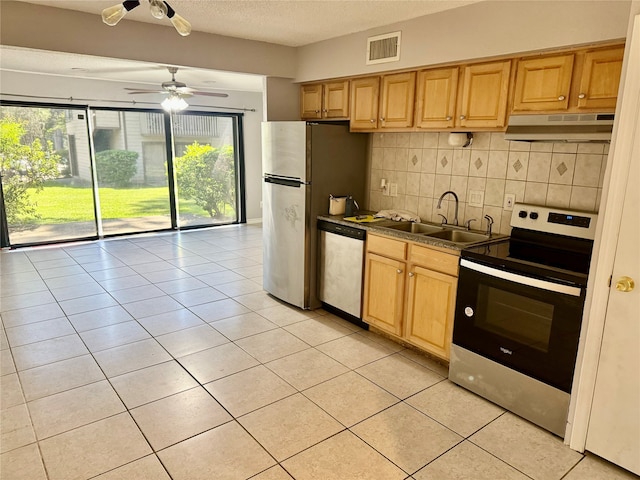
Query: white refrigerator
x=302 y=164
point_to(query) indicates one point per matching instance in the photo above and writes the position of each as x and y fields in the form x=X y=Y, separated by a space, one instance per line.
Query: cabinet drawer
x=434 y=260
x=387 y=247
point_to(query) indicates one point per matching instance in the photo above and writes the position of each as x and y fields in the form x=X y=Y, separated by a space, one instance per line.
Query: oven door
x=528 y=324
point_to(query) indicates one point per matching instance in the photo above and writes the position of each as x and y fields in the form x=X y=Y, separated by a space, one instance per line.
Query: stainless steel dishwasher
x=340 y=268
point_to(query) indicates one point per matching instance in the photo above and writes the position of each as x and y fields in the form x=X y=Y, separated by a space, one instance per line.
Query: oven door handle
x=521 y=279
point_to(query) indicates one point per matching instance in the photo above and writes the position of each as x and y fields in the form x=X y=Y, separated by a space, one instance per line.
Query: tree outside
x=206 y=175
x=26 y=162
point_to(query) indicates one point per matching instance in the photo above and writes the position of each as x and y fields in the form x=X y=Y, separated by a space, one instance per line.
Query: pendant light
x=158 y=8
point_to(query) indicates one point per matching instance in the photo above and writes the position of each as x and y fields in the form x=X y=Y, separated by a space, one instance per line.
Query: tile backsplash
x=424 y=166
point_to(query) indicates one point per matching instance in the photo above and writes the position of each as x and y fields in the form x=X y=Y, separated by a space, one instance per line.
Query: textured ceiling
x=284 y=22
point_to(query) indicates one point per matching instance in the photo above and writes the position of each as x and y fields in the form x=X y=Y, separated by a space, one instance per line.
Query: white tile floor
x=161 y=357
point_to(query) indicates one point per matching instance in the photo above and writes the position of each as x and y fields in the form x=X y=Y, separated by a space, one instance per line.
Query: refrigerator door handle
x=287 y=182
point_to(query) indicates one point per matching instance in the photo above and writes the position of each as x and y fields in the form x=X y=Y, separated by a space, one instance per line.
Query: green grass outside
x=65 y=204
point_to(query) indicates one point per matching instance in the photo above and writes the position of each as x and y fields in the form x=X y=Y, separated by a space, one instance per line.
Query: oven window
x=518 y=318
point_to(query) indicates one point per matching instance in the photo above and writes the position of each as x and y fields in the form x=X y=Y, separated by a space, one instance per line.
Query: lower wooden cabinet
x=384 y=292
x=431 y=302
x=410 y=292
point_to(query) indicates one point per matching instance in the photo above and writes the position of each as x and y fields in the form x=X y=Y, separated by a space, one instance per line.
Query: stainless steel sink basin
x=459 y=236
x=421 y=228
x=446 y=233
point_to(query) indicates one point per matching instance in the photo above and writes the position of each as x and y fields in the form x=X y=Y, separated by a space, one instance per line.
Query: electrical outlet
x=509 y=200
x=393 y=189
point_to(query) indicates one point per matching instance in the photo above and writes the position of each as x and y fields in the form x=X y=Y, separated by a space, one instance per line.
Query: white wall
x=479 y=30
x=110 y=94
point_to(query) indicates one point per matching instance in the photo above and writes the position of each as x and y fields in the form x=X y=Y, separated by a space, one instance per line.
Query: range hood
x=591 y=127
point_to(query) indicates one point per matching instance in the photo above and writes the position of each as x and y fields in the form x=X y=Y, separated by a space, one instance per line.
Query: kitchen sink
x=421 y=228
x=445 y=233
x=459 y=236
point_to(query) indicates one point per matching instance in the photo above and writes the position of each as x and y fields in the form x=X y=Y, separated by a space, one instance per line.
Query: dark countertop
x=378 y=228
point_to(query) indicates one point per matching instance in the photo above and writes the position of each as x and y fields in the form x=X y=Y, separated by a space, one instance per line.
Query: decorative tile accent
x=414 y=160
x=562 y=169
x=478 y=163
x=444 y=161
x=517 y=166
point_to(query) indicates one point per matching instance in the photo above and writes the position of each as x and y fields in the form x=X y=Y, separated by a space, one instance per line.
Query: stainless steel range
x=519 y=313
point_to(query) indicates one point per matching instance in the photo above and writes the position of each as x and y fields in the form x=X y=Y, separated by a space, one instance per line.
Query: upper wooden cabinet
x=600 y=79
x=484 y=95
x=471 y=96
x=474 y=98
x=364 y=103
x=579 y=81
x=436 y=98
x=543 y=83
x=396 y=102
x=383 y=102
x=325 y=100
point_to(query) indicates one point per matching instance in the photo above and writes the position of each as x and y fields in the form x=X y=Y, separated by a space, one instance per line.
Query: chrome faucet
x=489 y=220
x=455 y=215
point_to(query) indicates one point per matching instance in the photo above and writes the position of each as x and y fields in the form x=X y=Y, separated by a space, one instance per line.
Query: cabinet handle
x=317 y=111
x=448 y=118
x=398 y=271
x=382 y=119
x=372 y=120
x=462 y=117
x=561 y=97
x=325 y=110
x=582 y=95
x=411 y=274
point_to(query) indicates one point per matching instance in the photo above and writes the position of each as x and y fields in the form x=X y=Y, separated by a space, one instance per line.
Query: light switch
x=393 y=189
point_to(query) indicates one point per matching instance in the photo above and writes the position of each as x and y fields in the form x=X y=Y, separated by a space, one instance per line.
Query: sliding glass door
x=147 y=171
x=131 y=166
x=206 y=168
x=45 y=165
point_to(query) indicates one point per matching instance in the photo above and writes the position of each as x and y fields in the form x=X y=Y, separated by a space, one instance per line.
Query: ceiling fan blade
x=209 y=94
x=142 y=90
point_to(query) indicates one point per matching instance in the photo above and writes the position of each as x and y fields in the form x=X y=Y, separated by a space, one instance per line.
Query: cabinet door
x=336 y=100
x=396 y=105
x=383 y=293
x=430 y=308
x=543 y=83
x=311 y=101
x=484 y=95
x=364 y=103
x=436 y=103
x=600 y=79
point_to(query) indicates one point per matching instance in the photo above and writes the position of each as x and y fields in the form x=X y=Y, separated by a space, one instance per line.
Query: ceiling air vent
x=383 y=48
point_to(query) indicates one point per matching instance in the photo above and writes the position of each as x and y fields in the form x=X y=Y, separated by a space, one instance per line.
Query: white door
x=614 y=425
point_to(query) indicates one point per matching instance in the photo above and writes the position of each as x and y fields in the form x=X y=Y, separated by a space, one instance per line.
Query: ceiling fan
x=176 y=88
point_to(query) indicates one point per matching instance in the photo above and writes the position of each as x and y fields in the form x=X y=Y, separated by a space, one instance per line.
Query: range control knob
x=533 y=215
x=468 y=311
x=522 y=214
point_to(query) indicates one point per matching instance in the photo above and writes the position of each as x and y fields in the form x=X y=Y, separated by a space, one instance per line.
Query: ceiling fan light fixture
x=112 y=15
x=174 y=103
x=158 y=9
x=182 y=26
